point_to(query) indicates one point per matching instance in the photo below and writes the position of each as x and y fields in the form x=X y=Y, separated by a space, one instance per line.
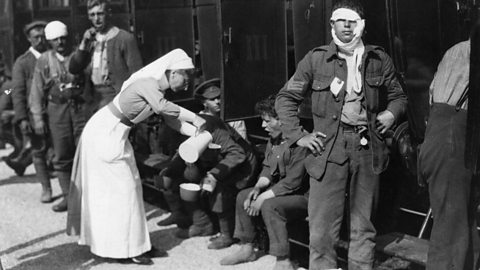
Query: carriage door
x=253 y=52
x=162 y=26
x=421 y=33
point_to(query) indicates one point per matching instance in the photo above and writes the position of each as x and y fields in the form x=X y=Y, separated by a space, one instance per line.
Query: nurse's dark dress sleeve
x=159 y=104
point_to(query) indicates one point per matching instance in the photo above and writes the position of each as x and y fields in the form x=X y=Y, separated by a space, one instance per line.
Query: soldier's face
x=59 y=44
x=98 y=16
x=271 y=125
x=344 y=29
x=212 y=105
x=37 y=40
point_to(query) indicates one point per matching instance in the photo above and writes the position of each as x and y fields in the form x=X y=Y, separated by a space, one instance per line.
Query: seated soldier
x=208 y=94
x=279 y=195
x=226 y=170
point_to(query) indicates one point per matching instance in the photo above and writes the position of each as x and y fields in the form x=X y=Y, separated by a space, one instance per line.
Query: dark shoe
x=142 y=259
x=223 y=241
x=61 y=206
x=245 y=254
x=46 y=196
x=182 y=233
x=17 y=167
x=201 y=230
x=156 y=253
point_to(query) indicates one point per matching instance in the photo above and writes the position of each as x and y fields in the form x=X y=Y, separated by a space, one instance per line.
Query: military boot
x=64 y=181
x=42 y=175
x=202 y=225
x=177 y=215
x=226 y=224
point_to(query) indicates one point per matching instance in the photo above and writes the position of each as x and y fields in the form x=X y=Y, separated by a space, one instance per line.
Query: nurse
x=107 y=209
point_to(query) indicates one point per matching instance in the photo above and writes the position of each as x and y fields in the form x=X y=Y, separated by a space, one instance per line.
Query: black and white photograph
x=240 y=134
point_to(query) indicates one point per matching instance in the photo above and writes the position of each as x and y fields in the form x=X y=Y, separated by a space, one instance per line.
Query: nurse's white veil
x=176 y=59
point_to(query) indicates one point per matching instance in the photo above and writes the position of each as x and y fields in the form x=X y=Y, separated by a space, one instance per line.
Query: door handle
x=228 y=35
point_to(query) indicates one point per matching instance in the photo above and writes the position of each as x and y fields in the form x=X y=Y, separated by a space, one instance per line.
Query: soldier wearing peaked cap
x=22 y=75
x=209 y=94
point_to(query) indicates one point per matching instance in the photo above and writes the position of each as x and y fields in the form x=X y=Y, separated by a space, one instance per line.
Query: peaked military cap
x=32 y=25
x=208 y=89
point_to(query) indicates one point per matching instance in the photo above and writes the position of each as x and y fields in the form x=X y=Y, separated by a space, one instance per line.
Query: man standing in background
x=59 y=95
x=22 y=77
x=107 y=54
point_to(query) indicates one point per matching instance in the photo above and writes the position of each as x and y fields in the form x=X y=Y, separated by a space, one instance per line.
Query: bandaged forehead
x=345 y=14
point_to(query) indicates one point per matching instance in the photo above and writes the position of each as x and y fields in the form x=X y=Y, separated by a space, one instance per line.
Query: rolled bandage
x=191 y=149
x=345 y=14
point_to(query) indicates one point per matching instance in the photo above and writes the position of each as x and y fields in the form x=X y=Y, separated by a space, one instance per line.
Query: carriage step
x=403 y=246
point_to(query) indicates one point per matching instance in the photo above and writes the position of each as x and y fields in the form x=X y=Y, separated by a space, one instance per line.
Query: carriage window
x=54 y=4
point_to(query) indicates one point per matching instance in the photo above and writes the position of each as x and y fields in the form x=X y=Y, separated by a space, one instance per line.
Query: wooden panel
x=210 y=40
x=254 y=54
x=160 y=30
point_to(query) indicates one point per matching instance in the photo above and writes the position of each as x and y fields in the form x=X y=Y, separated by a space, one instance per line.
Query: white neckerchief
x=60 y=57
x=352 y=51
x=35 y=52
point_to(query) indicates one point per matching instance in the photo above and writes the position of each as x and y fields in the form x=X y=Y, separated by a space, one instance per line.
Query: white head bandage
x=354 y=47
x=345 y=14
x=55 y=30
x=176 y=59
x=348 y=15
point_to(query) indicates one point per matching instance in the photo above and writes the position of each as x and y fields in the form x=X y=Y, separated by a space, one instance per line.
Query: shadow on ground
x=73 y=256
x=61 y=257
x=26 y=179
x=165 y=239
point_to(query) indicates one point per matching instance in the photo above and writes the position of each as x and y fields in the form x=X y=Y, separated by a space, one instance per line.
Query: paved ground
x=33 y=237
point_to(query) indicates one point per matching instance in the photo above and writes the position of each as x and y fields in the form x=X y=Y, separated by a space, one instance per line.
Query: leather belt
x=120 y=115
x=354 y=129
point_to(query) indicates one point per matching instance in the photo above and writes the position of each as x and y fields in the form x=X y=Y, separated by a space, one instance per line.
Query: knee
x=268 y=206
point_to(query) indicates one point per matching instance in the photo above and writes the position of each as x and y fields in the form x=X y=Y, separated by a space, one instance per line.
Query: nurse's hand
x=199 y=123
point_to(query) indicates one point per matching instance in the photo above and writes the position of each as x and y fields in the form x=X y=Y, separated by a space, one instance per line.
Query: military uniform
x=353 y=157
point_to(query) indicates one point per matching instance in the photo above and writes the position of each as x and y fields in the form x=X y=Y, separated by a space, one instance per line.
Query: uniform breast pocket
x=320 y=94
x=373 y=93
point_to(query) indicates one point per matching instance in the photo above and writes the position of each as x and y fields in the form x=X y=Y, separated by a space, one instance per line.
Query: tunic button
x=337 y=99
x=334 y=117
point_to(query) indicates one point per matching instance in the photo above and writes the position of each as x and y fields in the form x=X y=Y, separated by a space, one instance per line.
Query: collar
x=332 y=51
x=277 y=140
x=163 y=83
x=35 y=52
x=109 y=34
